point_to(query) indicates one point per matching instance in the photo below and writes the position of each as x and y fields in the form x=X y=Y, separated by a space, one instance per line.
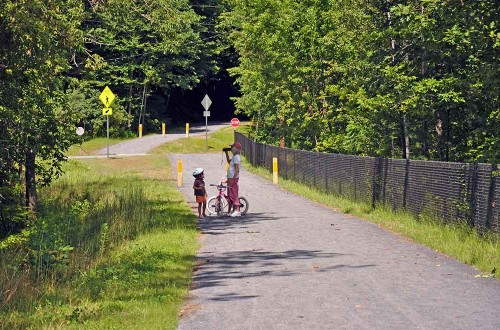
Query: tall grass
x=107 y=232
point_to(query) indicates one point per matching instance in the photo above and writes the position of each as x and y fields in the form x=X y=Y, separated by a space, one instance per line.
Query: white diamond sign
x=206 y=102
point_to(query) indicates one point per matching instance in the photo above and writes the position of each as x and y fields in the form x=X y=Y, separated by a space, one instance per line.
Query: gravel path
x=293 y=264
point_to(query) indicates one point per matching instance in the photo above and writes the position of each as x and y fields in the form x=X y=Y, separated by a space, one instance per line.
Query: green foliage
x=137 y=51
x=36 y=122
x=415 y=79
x=55 y=59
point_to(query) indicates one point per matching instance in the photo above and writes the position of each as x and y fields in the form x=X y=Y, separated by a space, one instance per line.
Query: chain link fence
x=452 y=192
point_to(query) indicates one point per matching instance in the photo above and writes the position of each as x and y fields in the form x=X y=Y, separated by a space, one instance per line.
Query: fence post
x=285 y=164
x=491 y=196
x=294 y=153
x=253 y=153
x=315 y=170
x=376 y=180
x=472 y=192
x=406 y=183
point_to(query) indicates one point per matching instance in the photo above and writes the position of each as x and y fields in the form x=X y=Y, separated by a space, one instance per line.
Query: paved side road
x=149 y=142
x=293 y=264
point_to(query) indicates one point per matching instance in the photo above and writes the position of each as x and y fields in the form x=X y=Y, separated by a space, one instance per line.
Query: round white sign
x=79 y=130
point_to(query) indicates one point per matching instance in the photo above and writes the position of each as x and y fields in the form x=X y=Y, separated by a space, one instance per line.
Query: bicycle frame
x=217 y=205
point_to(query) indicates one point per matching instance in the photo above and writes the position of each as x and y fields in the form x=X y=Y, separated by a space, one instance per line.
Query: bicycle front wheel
x=216 y=206
x=212 y=205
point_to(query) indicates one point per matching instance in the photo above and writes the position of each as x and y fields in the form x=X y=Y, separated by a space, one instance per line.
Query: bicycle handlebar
x=219 y=186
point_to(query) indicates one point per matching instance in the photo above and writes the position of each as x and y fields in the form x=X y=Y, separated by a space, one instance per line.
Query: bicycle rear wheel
x=243 y=205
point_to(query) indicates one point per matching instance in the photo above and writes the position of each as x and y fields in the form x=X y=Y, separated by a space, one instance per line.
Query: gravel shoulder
x=294 y=264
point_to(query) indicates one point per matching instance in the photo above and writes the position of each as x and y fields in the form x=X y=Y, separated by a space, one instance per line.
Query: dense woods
x=411 y=79
x=404 y=79
x=57 y=56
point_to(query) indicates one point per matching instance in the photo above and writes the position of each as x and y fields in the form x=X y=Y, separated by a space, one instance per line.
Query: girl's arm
x=227 y=157
x=236 y=170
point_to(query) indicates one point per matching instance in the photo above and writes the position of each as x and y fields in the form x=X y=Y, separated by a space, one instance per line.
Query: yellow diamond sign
x=107 y=97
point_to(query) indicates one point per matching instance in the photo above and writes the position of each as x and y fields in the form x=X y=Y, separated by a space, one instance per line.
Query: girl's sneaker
x=236 y=214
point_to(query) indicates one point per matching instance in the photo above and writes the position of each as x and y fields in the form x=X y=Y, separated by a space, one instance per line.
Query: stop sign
x=235 y=122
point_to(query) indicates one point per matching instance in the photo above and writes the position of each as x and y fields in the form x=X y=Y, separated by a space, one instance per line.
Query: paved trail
x=293 y=264
x=145 y=144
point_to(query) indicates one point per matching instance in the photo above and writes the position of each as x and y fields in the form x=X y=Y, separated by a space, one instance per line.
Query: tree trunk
x=406 y=138
x=448 y=132
x=404 y=129
x=438 y=127
x=425 y=144
x=30 y=181
x=423 y=74
x=22 y=197
x=282 y=137
x=129 y=123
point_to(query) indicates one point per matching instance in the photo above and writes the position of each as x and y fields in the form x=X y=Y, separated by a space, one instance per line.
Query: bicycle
x=218 y=205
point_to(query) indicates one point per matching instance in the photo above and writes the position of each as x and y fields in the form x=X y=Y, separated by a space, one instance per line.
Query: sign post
x=206 y=102
x=79 y=131
x=107 y=97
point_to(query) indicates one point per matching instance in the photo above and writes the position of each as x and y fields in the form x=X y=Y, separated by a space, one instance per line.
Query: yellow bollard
x=187 y=130
x=179 y=173
x=140 y=130
x=275 y=170
x=163 y=129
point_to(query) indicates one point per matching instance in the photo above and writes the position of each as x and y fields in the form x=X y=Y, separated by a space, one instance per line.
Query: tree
x=141 y=46
x=293 y=64
x=411 y=79
x=38 y=38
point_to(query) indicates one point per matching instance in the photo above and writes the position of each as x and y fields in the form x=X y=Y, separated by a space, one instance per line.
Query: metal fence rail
x=451 y=192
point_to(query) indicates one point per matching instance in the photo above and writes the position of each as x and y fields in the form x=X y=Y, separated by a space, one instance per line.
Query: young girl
x=200 y=191
x=233 y=176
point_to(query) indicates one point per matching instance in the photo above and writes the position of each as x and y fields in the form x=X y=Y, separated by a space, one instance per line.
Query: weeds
x=65 y=271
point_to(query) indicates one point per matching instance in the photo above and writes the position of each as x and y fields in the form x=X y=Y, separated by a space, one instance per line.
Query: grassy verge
x=91 y=147
x=457 y=241
x=199 y=144
x=113 y=249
